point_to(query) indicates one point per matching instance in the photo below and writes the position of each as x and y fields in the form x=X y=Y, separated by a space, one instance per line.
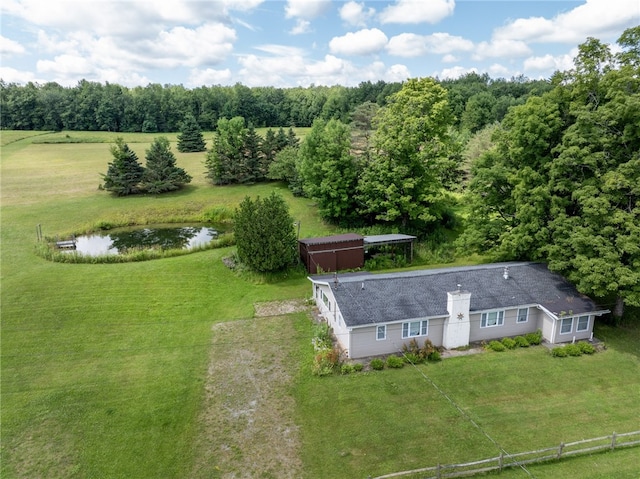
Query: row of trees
x=155 y=108
x=561 y=182
x=240 y=155
x=391 y=166
x=126 y=175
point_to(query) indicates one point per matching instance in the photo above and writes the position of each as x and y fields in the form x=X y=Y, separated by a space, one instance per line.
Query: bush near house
x=576 y=349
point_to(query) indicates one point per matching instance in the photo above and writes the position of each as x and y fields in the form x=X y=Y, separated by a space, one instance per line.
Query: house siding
x=364 y=342
x=573 y=334
x=509 y=328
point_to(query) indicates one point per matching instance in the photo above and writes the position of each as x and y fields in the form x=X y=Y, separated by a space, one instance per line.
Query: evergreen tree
x=190 y=138
x=264 y=234
x=125 y=173
x=161 y=173
x=252 y=165
x=225 y=159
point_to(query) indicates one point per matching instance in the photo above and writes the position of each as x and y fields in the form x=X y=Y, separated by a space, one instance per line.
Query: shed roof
x=388 y=239
x=366 y=298
x=331 y=239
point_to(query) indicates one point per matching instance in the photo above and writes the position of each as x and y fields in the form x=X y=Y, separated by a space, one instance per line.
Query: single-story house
x=375 y=314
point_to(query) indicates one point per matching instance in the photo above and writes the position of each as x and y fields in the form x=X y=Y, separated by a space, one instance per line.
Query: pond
x=163 y=237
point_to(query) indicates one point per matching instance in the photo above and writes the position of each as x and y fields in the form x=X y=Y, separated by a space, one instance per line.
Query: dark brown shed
x=332 y=253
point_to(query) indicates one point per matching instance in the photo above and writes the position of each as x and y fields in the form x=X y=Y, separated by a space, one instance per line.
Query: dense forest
x=90 y=106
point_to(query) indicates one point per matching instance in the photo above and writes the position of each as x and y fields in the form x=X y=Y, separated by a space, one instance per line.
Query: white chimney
x=505 y=275
x=457 y=326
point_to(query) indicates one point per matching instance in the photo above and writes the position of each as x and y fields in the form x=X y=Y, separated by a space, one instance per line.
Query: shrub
x=395 y=362
x=497 y=346
x=560 y=352
x=377 y=364
x=322 y=337
x=509 y=343
x=347 y=368
x=357 y=367
x=534 y=338
x=427 y=349
x=586 y=348
x=434 y=356
x=325 y=362
x=521 y=341
x=573 y=350
x=412 y=358
x=411 y=348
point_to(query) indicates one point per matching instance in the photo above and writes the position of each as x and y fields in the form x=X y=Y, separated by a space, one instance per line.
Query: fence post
x=438 y=471
x=560 y=448
x=501 y=460
x=613 y=441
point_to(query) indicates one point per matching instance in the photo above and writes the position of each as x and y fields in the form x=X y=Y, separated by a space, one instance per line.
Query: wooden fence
x=504 y=460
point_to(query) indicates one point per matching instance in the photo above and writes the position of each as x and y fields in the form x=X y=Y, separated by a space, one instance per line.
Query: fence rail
x=611 y=442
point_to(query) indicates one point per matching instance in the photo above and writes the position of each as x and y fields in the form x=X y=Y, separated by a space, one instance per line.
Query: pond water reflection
x=169 y=237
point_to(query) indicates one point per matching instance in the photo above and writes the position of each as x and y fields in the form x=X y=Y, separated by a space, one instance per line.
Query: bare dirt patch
x=247 y=425
x=276 y=308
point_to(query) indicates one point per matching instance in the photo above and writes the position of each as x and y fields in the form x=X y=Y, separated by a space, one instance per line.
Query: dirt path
x=247 y=426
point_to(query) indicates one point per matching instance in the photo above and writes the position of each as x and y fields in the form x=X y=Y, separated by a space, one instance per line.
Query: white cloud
x=363 y=42
x=501 y=48
x=397 y=73
x=596 y=18
x=301 y=26
x=417 y=11
x=498 y=71
x=209 y=76
x=11 y=75
x=356 y=14
x=177 y=47
x=412 y=45
x=549 y=63
x=10 y=47
x=67 y=65
x=455 y=72
x=307 y=9
x=449 y=58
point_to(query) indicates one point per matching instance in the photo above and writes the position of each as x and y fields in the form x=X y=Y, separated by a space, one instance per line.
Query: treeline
x=91 y=106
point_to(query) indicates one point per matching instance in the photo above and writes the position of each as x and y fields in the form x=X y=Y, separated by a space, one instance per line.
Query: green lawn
x=103 y=366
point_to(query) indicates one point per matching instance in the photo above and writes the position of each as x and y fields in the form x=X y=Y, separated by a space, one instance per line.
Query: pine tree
x=162 y=174
x=190 y=138
x=125 y=173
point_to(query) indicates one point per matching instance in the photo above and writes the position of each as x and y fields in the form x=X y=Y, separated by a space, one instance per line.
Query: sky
x=288 y=43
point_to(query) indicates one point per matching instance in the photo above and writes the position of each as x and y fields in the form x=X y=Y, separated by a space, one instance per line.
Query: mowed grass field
x=107 y=369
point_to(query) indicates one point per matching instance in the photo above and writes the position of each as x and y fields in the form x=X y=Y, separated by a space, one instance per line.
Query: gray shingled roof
x=366 y=298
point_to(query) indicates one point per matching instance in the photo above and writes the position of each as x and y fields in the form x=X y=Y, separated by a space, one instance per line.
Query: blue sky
x=296 y=42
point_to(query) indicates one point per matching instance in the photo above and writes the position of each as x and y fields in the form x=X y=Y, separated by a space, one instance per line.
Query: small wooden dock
x=66 y=244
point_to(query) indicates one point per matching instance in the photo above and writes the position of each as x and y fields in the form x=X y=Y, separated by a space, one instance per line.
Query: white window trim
x=499 y=319
x=526 y=316
x=424 y=326
x=384 y=336
x=578 y=330
x=570 y=329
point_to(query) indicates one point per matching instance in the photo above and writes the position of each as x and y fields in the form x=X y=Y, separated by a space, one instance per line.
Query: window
x=566 y=326
x=381 y=332
x=415 y=328
x=583 y=323
x=523 y=315
x=494 y=318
